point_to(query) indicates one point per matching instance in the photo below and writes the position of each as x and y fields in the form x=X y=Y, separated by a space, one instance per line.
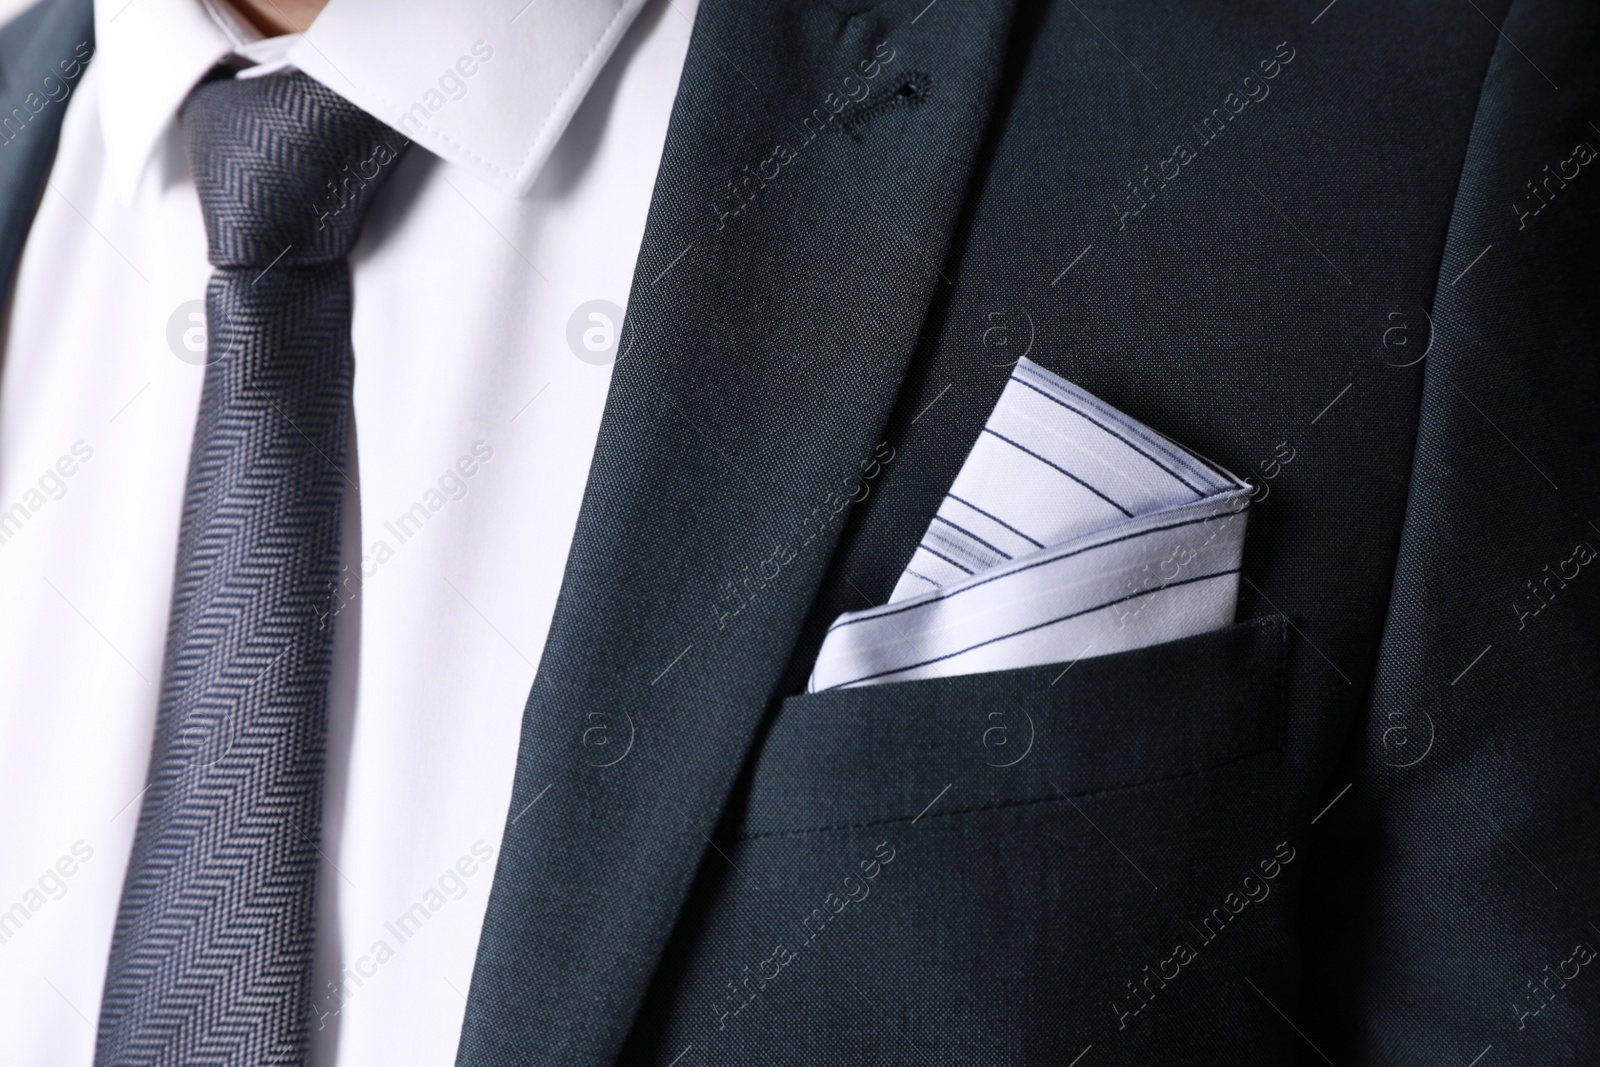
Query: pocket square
x=1071 y=530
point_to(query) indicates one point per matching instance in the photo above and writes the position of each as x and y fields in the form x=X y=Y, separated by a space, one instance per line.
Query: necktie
x=211 y=958
x=1071 y=530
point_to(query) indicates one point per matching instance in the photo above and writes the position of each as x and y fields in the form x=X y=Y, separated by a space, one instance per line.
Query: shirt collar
x=486 y=84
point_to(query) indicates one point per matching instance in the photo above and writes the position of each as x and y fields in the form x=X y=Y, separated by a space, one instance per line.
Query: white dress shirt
x=475 y=421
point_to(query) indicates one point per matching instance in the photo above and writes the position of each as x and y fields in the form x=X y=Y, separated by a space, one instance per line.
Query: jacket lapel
x=813 y=171
x=43 y=54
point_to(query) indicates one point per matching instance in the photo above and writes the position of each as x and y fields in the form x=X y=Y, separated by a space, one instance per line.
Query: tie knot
x=285 y=168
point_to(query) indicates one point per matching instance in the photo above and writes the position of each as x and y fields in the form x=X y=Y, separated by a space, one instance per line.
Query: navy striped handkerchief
x=1071 y=531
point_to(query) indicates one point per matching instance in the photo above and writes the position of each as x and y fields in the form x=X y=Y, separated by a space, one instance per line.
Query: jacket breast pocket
x=1009 y=867
x=941 y=747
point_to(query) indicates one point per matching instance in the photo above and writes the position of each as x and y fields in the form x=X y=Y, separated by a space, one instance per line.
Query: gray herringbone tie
x=211 y=960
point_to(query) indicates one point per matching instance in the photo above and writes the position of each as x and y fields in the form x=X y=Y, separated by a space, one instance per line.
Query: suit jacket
x=1349 y=251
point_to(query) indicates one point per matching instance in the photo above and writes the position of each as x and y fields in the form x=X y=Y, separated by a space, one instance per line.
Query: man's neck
x=274 y=17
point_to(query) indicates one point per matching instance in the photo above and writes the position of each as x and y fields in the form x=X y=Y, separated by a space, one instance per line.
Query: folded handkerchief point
x=1071 y=531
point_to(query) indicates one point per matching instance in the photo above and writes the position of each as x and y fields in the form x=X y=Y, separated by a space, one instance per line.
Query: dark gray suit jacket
x=1348 y=249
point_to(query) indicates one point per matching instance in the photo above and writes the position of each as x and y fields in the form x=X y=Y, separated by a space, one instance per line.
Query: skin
x=274 y=17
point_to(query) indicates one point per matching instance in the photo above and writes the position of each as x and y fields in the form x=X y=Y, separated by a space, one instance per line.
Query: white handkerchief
x=1071 y=531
